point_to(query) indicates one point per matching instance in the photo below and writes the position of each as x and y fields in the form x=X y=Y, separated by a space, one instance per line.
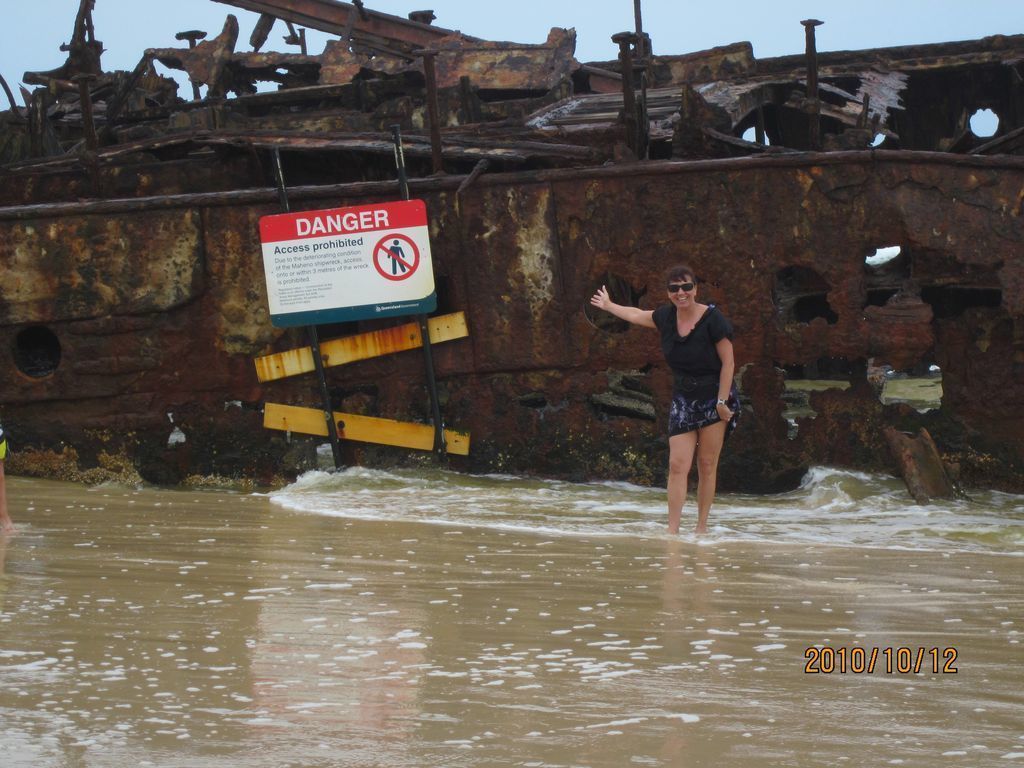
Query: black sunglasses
x=674 y=287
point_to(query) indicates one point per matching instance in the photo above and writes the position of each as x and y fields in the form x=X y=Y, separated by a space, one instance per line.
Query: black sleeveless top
x=694 y=355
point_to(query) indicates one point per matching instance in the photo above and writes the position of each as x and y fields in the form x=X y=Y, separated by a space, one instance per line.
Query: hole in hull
x=37 y=352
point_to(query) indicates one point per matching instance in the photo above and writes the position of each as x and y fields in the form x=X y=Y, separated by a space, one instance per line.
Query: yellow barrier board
x=365 y=429
x=362 y=346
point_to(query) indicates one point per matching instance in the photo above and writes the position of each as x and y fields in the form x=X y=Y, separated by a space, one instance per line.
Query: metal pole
x=282 y=191
x=428 y=355
x=638 y=19
x=814 y=104
x=314 y=338
x=624 y=40
x=433 y=110
x=440 y=445
x=85 y=99
x=403 y=181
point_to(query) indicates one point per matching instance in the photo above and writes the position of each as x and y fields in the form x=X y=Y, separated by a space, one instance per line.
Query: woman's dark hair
x=680 y=272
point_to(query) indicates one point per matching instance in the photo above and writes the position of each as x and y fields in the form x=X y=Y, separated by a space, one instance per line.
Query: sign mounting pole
x=428 y=357
x=314 y=337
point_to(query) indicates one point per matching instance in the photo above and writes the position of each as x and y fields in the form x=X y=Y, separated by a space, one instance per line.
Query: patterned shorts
x=688 y=414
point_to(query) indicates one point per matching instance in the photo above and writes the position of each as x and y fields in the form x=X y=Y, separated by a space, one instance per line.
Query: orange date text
x=904 y=660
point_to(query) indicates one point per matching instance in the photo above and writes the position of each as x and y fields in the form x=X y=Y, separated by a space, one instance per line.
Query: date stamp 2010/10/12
x=902 y=661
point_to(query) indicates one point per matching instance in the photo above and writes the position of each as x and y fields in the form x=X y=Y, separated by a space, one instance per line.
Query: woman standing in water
x=697 y=342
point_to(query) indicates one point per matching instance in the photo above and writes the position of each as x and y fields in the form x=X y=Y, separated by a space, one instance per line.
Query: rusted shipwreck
x=133 y=300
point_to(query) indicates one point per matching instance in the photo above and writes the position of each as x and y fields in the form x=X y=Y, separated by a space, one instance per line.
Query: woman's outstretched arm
x=634 y=315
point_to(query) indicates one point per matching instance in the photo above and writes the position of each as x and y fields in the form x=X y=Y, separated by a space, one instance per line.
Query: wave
x=832 y=507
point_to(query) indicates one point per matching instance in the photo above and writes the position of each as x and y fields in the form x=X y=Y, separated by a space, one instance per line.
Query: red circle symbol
x=396 y=257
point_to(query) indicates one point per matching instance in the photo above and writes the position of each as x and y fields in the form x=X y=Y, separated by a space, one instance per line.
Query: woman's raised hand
x=601 y=300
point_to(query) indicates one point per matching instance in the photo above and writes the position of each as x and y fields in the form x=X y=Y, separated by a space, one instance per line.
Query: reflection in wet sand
x=545 y=625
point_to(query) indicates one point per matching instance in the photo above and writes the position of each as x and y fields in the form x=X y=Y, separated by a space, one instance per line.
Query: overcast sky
x=33 y=30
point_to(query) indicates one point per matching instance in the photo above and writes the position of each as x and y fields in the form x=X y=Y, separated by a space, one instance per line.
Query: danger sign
x=345 y=264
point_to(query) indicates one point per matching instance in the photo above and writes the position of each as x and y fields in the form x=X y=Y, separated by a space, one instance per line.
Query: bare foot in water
x=700 y=530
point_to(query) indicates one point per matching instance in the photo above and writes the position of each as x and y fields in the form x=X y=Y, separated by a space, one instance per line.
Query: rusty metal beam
x=997 y=49
x=1011 y=142
x=813 y=99
x=10 y=96
x=368 y=189
x=456 y=147
x=629 y=112
x=380 y=31
x=85 y=100
x=432 y=109
x=479 y=168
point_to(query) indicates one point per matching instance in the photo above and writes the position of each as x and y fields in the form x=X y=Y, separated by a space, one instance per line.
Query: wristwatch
x=721 y=402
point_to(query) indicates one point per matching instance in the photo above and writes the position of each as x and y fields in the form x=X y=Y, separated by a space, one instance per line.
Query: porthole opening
x=621 y=291
x=886 y=269
x=37 y=351
x=919 y=386
x=802 y=380
x=984 y=123
x=801 y=295
x=950 y=301
x=882 y=255
x=751 y=135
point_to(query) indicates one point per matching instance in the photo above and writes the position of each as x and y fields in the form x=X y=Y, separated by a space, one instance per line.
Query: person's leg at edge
x=709 y=448
x=6 y=526
x=680 y=458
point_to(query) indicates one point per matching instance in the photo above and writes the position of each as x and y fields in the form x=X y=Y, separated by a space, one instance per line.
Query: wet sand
x=165 y=628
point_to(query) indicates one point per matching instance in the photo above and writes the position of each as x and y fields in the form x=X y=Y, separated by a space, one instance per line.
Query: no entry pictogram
x=396 y=257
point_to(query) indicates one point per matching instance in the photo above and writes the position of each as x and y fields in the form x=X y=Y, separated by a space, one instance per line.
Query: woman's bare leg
x=680 y=458
x=709 y=448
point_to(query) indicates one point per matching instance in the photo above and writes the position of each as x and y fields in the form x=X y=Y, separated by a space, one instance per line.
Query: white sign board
x=344 y=264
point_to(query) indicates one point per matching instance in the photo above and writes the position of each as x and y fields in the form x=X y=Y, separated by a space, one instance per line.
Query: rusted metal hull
x=163 y=312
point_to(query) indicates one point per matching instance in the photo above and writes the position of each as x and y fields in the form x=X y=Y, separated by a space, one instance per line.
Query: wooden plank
x=365 y=429
x=362 y=346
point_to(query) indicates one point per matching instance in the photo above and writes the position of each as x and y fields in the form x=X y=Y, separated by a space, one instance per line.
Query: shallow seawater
x=429 y=618
x=832 y=507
